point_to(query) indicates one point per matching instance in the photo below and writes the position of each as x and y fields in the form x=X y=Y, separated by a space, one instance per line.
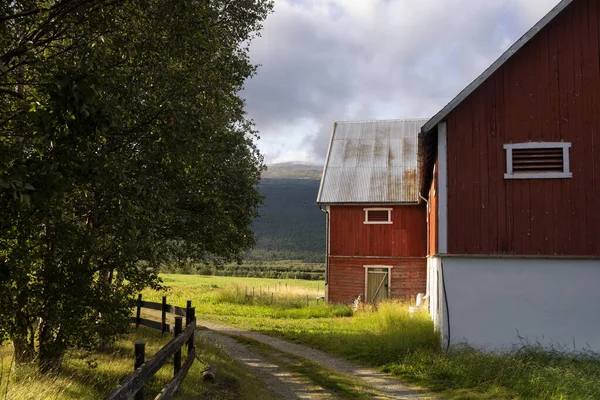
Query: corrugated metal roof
x=372 y=162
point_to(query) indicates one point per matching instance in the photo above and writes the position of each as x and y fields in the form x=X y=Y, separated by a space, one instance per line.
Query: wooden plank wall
x=347 y=277
x=549 y=91
x=349 y=236
x=432 y=216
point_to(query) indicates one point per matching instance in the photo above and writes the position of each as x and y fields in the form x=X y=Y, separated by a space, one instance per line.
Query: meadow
x=94 y=374
x=387 y=337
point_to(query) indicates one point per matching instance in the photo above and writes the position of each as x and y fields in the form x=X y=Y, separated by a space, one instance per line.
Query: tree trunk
x=119 y=280
x=106 y=276
x=24 y=351
x=51 y=349
x=51 y=360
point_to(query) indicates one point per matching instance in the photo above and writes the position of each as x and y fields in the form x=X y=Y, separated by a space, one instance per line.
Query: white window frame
x=389 y=268
x=510 y=174
x=388 y=222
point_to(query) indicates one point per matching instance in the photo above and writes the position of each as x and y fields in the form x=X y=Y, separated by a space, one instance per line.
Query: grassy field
x=228 y=299
x=388 y=337
x=92 y=375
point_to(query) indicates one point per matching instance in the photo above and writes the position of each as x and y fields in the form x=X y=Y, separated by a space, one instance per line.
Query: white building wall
x=436 y=296
x=496 y=303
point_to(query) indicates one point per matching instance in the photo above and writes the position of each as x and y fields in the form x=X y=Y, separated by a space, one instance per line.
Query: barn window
x=537 y=160
x=378 y=215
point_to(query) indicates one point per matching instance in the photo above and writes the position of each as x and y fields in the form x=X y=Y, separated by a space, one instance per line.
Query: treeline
x=257 y=255
x=273 y=270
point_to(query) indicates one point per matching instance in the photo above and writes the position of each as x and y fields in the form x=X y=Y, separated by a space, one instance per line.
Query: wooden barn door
x=377 y=284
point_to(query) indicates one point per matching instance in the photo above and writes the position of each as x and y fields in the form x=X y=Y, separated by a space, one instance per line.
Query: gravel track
x=285 y=385
x=294 y=386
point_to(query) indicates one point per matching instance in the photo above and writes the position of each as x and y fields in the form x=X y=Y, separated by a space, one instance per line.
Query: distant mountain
x=290 y=226
x=293 y=170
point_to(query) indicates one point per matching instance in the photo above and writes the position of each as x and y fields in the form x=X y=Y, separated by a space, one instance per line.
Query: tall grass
x=93 y=375
x=290 y=302
x=85 y=374
x=232 y=300
x=389 y=333
x=530 y=373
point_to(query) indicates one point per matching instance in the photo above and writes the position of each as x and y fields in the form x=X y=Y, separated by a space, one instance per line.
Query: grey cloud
x=399 y=62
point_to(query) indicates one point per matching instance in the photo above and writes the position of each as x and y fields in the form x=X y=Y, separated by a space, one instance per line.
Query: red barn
x=511 y=169
x=375 y=227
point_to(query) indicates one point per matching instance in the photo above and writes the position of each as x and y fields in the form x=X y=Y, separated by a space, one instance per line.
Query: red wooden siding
x=350 y=236
x=432 y=216
x=549 y=91
x=347 y=277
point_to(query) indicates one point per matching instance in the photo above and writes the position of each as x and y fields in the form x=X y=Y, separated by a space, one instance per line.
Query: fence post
x=177 y=357
x=164 y=315
x=138 y=311
x=139 y=359
x=188 y=319
x=191 y=340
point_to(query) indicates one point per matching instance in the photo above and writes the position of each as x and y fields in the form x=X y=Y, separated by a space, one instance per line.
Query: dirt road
x=271 y=363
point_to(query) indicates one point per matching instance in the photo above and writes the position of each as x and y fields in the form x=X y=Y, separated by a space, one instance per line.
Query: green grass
x=92 y=375
x=230 y=300
x=532 y=373
x=388 y=338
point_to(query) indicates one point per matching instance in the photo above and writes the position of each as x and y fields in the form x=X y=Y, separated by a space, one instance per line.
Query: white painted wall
x=493 y=302
x=436 y=297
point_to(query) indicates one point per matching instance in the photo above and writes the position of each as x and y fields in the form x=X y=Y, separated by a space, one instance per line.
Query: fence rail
x=159 y=306
x=133 y=385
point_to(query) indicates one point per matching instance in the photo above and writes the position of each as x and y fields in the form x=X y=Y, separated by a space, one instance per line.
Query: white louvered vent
x=378 y=215
x=537 y=160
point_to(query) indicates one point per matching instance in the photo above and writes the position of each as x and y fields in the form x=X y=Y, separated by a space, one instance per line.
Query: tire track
x=388 y=387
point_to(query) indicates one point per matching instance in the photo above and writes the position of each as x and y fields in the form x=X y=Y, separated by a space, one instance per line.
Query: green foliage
x=123 y=144
x=290 y=226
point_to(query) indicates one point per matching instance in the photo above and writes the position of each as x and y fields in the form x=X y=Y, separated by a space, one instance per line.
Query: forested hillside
x=290 y=226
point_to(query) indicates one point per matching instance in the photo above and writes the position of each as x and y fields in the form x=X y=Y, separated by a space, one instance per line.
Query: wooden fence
x=133 y=385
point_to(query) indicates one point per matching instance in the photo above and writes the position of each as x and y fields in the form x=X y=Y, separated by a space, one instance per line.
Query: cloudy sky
x=332 y=60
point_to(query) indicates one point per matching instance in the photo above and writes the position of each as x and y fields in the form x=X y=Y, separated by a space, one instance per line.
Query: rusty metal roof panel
x=372 y=162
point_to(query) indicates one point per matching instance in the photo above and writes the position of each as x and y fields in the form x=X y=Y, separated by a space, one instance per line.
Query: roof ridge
x=382 y=120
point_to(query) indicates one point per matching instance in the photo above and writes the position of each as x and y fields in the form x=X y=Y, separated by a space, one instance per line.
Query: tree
x=123 y=142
